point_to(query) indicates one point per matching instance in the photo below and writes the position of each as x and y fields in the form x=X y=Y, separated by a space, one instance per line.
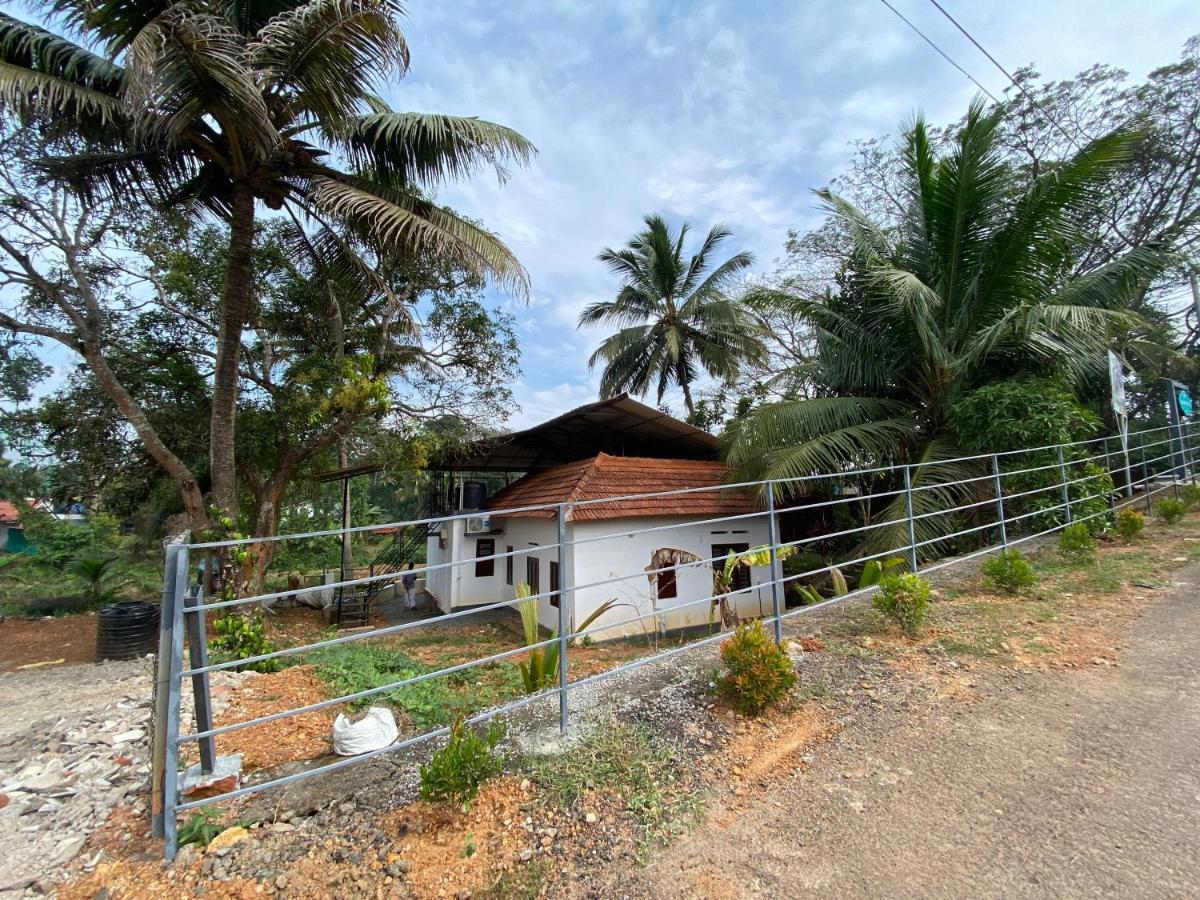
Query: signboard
x=1185 y=401
x=1116 y=377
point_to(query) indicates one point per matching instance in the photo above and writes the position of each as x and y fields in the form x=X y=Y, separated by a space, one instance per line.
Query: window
x=533 y=574
x=741 y=574
x=554 y=583
x=666 y=586
x=508 y=566
x=485 y=568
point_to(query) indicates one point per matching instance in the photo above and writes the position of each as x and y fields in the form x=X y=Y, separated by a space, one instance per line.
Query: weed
x=1190 y=495
x=468 y=848
x=200 y=827
x=759 y=671
x=623 y=759
x=1076 y=543
x=458 y=770
x=238 y=637
x=524 y=883
x=1170 y=510
x=1129 y=523
x=904 y=598
x=1009 y=571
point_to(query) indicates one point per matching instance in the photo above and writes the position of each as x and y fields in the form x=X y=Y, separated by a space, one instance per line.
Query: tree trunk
x=235 y=303
x=267 y=513
x=687 y=394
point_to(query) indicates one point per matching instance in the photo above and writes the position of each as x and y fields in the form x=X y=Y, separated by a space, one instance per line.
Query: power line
x=1020 y=87
x=939 y=50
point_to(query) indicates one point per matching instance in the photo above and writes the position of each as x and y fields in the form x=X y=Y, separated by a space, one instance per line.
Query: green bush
x=1170 y=511
x=1009 y=571
x=1190 y=495
x=239 y=636
x=457 y=771
x=1129 y=523
x=904 y=598
x=758 y=671
x=1076 y=541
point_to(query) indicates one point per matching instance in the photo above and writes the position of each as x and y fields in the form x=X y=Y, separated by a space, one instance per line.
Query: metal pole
x=773 y=526
x=201 y=689
x=999 y=501
x=1145 y=472
x=1066 y=490
x=908 y=512
x=174 y=689
x=1123 y=424
x=162 y=679
x=564 y=621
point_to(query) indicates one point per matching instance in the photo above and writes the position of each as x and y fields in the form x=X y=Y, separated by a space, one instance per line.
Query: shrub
x=759 y=671
x=1129 y=523
x=1190 y=495
x=1009 y=571
x=904 y=598
x=1170 y=511
x=1076 y=541
x=458 y=770
x=239 y=636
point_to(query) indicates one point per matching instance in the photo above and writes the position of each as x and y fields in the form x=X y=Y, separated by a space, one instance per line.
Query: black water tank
x=125 y=630
x=474 y=494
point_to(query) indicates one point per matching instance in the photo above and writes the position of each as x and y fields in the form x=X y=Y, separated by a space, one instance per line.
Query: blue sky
x=725 y=112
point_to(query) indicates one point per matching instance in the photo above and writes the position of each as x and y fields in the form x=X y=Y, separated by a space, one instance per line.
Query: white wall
x=625 y=555
x=617 y=554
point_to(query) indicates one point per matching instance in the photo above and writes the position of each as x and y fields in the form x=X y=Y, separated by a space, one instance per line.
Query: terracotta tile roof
x=8 y=513
x=605 y=476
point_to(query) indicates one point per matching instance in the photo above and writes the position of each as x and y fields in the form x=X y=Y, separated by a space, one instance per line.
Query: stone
x=283 y=827
x=281 y=883
x=227 y=839
x=591 y=818
x=125 y=737
x=526 y=855
x=226 y=776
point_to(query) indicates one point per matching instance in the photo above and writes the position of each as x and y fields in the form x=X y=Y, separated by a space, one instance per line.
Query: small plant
x=468 y=848
x=1170 y=511
x=99 y=575
x=238 y=637
x=759 y=671
x=1076 y=542
x=200 y=828
x=904 y=598
x=1009 y=571
x=541 y=669
x=458 y=770
x=1129 y=523
x=1190 y=495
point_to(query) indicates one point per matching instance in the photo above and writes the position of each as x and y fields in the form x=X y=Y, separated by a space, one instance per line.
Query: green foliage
x=359 y=666
x=905 y=599
x=873 y=570
x=758 y=672
x=1021 y=412
x=540 y=670
x=100 y=577
x=1170 y=510
x=237 y=636
x=1129 y=523
x=1076 y=542
x=200 y=827
x=458 y=769
x=1190 y=495
x=1009 y=571
x=55 y=541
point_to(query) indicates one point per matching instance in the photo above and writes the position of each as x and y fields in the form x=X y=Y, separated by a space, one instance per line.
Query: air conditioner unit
x=479 y=525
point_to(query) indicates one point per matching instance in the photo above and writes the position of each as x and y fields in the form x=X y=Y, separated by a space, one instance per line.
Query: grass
x=29 y=587
x=624 y=759
x=358 y=666
x=523 y=883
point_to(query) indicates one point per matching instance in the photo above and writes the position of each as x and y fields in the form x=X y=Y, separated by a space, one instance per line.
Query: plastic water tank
x=126 y=630
x=474 y=494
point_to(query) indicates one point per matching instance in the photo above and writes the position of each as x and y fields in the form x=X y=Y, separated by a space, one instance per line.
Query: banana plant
x=723 y=577
x=872 y=572
x=541 y=669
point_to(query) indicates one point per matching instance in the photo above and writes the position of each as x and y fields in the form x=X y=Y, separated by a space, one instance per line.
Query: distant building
x=12 y=535
x=614 y=448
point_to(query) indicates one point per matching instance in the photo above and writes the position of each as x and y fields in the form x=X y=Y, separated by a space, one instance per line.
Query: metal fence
x=1009 y=498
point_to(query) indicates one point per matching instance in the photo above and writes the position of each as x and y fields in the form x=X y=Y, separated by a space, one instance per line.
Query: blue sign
x=1185 y=402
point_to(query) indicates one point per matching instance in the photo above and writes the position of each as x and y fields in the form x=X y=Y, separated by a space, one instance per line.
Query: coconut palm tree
x=223 y=106
x=970 y=284
x=676 y=319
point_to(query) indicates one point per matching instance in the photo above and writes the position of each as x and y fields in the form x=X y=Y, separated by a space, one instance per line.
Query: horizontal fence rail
x=1010 y=498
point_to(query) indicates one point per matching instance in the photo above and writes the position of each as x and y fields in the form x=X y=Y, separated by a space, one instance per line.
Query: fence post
x=773 y=526
x=1066 y=490
x=908 y=512
x=201 y=689
x=564 y=621
x=1145 y=472
x=999 y=501
x=174 y=689
x=162 y=680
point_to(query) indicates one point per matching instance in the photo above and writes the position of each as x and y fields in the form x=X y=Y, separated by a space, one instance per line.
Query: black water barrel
x=126 y=630
x=474 y=494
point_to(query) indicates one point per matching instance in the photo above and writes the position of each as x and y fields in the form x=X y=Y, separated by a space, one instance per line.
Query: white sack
x=375 y=730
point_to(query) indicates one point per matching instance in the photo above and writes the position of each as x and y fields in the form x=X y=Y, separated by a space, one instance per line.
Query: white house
x=605 y=538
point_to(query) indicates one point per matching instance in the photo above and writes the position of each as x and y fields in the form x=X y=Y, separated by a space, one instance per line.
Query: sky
x=719 y=112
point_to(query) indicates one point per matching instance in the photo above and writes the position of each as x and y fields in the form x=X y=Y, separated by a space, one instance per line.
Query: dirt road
x=1053 y=785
